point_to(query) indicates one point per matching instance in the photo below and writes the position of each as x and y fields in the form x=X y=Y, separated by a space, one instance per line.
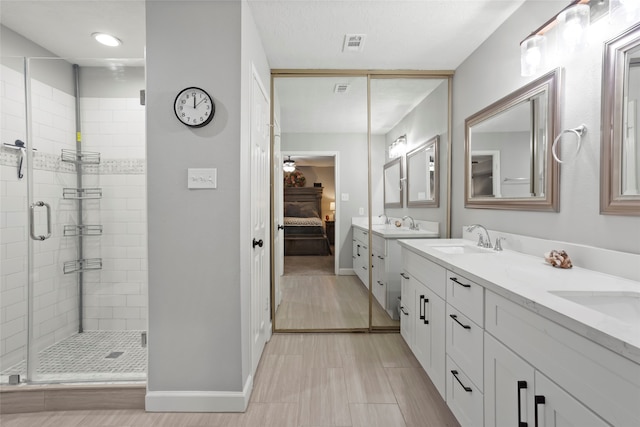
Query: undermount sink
x=462 y=249
x=623 y=306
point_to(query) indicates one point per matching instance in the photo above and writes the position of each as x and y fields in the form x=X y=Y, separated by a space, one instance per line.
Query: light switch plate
x=202 y=178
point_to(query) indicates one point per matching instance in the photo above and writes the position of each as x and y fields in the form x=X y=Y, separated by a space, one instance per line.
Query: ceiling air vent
x=341 y=88
x=353 y=43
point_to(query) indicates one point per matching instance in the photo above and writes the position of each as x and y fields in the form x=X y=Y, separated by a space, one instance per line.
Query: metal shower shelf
x=82 y=265
x=82 y=230
x=82 y=193
x=84 y=157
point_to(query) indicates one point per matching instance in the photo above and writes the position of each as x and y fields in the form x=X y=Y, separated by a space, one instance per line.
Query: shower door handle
x=32 y=220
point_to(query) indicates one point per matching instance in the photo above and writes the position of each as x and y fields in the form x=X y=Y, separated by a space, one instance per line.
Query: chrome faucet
x=481 y=241
x=413 y=225
x=387 y=221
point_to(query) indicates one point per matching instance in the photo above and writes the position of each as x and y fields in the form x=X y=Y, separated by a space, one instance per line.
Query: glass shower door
x=81 y=221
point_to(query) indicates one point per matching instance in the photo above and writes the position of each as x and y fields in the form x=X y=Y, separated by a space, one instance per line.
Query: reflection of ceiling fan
x=289 y=165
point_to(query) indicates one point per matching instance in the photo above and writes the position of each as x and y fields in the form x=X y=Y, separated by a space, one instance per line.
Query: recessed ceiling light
x=106 y=39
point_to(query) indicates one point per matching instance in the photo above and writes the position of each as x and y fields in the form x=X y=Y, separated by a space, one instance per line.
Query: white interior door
x=260 y=199
x=278 y=216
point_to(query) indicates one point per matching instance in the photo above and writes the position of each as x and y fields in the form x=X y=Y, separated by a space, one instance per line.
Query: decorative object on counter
x=558 y=259
x=294 y=179
x=398 y=223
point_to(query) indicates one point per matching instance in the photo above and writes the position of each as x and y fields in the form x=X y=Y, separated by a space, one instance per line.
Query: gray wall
x=198 y=306
x=492 y=72
x=57 y=73
x=428 y=119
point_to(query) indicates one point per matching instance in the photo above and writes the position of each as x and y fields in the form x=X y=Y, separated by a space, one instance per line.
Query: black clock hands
x=194 y=100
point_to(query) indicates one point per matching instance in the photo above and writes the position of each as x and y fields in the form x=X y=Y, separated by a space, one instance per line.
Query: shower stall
x=73 y=297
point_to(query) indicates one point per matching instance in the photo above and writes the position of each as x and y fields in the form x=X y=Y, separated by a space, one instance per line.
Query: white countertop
x=527 y=280
x=393 y=232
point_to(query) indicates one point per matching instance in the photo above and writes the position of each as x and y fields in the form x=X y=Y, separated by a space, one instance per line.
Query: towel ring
x=578 y=132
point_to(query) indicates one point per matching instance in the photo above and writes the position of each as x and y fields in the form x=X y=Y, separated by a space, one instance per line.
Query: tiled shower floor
x=90 y=356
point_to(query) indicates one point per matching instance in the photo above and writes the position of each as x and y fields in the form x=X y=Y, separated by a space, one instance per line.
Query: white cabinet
x=423 y=327
x=508 y=390
x=408 y=301
x=518 y=395
x=361 y=255
x=583 y=373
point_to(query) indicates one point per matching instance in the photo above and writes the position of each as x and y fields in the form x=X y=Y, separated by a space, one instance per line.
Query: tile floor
x=86 y=356
x=304 y=380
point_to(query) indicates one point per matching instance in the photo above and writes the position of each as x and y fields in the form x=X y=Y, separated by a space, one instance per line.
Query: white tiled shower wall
x=114 y=297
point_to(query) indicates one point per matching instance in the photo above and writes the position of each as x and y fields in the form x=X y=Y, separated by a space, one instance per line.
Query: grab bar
x=32 y=220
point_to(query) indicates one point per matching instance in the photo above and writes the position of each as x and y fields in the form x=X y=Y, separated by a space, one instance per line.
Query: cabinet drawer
x=463 y=398
x=427 y=272
x=465 y=344
x=361 y=235
x=378 y=245
x=602 y=380
x=466 y=296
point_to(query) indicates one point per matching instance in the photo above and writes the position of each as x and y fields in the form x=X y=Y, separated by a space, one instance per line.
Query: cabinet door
x=379 y=276
x=508 y=387
x=429 y=335
x=556 y=408
x=407 y=320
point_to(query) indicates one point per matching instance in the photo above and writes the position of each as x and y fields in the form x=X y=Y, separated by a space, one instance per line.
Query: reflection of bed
x=304 y=232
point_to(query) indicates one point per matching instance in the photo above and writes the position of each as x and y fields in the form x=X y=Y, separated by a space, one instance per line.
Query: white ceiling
x=298 y=34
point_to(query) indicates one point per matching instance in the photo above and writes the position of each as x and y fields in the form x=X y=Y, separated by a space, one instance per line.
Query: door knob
x=257 y=243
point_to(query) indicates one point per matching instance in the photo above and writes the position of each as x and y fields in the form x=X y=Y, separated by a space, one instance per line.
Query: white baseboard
x=199 y=401
x=346 y=272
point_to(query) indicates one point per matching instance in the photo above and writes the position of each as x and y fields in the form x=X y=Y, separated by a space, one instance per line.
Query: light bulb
x=573 y=23
x=532 y=52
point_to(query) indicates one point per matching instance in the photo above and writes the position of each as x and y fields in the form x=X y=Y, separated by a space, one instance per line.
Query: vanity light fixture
x=532 y=54
x=630 y=8
x=289 y=165
x=572 y=21
x=398 y=147
x=107 y=39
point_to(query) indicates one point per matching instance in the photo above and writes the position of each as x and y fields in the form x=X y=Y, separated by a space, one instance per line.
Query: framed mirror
x=392 y=177
x=508 y=160
x=422 y=175
x=620 y=146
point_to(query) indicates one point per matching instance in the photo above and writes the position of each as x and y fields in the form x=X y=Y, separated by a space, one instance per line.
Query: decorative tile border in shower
x=51 y=162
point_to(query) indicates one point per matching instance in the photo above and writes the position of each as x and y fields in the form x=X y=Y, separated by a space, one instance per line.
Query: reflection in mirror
x=393 y=193
x=323 y=118
x=422 y=175
x=507 y=150
x=620 y=162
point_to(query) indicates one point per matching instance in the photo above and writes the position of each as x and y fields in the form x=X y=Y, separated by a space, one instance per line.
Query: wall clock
x=194 y=107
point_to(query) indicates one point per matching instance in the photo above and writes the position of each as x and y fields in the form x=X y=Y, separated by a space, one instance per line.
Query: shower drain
x=114 y=354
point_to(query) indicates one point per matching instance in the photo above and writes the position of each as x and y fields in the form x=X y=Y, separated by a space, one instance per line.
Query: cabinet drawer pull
x=522 y=385
x=454 y=317
x=539 y=400
x=404 y=276
x=424 y=303
x=455 y=279
x=455 y=374
x=380 y=283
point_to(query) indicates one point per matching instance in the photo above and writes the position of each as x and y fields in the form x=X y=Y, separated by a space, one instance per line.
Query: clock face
x=194 y=107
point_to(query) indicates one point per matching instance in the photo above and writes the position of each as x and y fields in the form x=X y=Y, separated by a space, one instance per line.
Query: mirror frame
x=392 y=164
x=549 y=82
x=612 y=202
x=435 y=142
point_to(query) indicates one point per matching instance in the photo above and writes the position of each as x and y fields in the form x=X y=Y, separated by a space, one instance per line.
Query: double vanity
x=507 y=339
